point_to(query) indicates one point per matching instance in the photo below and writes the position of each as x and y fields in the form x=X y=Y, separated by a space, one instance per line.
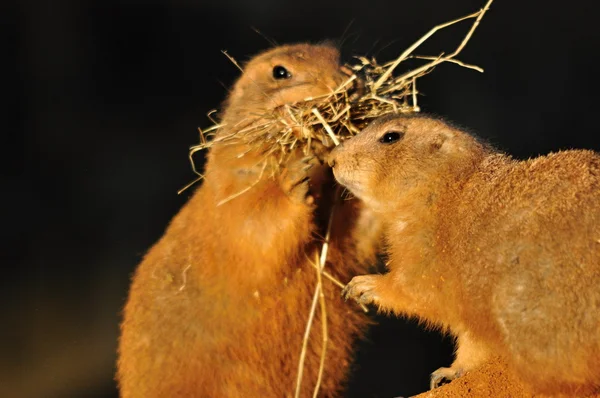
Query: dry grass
x=372 y=91
x=341 y=114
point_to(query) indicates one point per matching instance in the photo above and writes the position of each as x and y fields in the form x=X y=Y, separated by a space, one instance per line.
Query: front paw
x=443 y=376
x=295 y=179
x=362 y=289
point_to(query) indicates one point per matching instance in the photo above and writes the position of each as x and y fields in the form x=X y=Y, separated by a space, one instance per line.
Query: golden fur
x=218 y=307
x=505 y=254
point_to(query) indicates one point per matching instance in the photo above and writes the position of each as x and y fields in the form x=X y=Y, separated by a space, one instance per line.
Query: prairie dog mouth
x=349 y=184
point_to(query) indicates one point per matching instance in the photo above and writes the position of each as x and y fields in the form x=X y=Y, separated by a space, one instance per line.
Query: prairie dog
x=218 y=307
x=504 y=254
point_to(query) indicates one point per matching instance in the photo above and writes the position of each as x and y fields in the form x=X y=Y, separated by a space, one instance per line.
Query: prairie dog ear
x=443 y=142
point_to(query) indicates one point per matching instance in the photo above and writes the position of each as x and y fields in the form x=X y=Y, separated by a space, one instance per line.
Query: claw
x=361 y=289
x=295 y=179
x=345 y=292
x=448 y=374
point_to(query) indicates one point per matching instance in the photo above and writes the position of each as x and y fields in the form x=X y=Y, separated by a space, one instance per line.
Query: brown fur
x=505 y=254
x=218 y=307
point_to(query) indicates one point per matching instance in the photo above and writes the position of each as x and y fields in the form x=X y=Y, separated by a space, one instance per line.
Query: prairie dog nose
x=331 y=161
x=331 y=158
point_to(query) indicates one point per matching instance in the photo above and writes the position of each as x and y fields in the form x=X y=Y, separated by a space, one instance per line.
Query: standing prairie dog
x=504 y=254
x=218 y=307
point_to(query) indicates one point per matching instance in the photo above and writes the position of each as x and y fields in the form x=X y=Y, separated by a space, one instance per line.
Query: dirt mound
x=491 y=380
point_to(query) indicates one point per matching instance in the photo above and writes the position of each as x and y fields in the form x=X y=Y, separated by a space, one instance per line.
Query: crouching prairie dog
x=218 y=307
x=504 y=254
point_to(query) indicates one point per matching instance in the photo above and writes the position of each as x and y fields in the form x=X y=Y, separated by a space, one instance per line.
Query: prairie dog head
x=279 y=76
x=396 y=154
x=284 y=75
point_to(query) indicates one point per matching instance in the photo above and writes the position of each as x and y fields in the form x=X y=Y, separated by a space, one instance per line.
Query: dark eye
x=279 y=72
x=391 y=136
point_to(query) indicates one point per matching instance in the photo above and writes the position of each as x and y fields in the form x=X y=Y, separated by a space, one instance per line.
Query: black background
x=102 y=100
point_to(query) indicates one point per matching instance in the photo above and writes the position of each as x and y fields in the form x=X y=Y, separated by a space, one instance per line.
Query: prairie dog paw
x=295 y=178
x=321 y=150
x=444 y=374
x=362 y=289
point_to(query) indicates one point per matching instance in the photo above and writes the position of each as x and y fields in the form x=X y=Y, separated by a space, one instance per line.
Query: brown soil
x=490 y=380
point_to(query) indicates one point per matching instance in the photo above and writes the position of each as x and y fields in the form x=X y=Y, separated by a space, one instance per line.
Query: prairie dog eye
x=391 y=136
x=279 y=73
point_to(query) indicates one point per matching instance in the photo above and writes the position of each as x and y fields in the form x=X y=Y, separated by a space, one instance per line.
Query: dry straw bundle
x=331 y=119
x=341 y=114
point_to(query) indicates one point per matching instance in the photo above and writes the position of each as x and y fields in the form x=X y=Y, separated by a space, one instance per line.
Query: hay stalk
x=320 y=263
x=324 y=332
